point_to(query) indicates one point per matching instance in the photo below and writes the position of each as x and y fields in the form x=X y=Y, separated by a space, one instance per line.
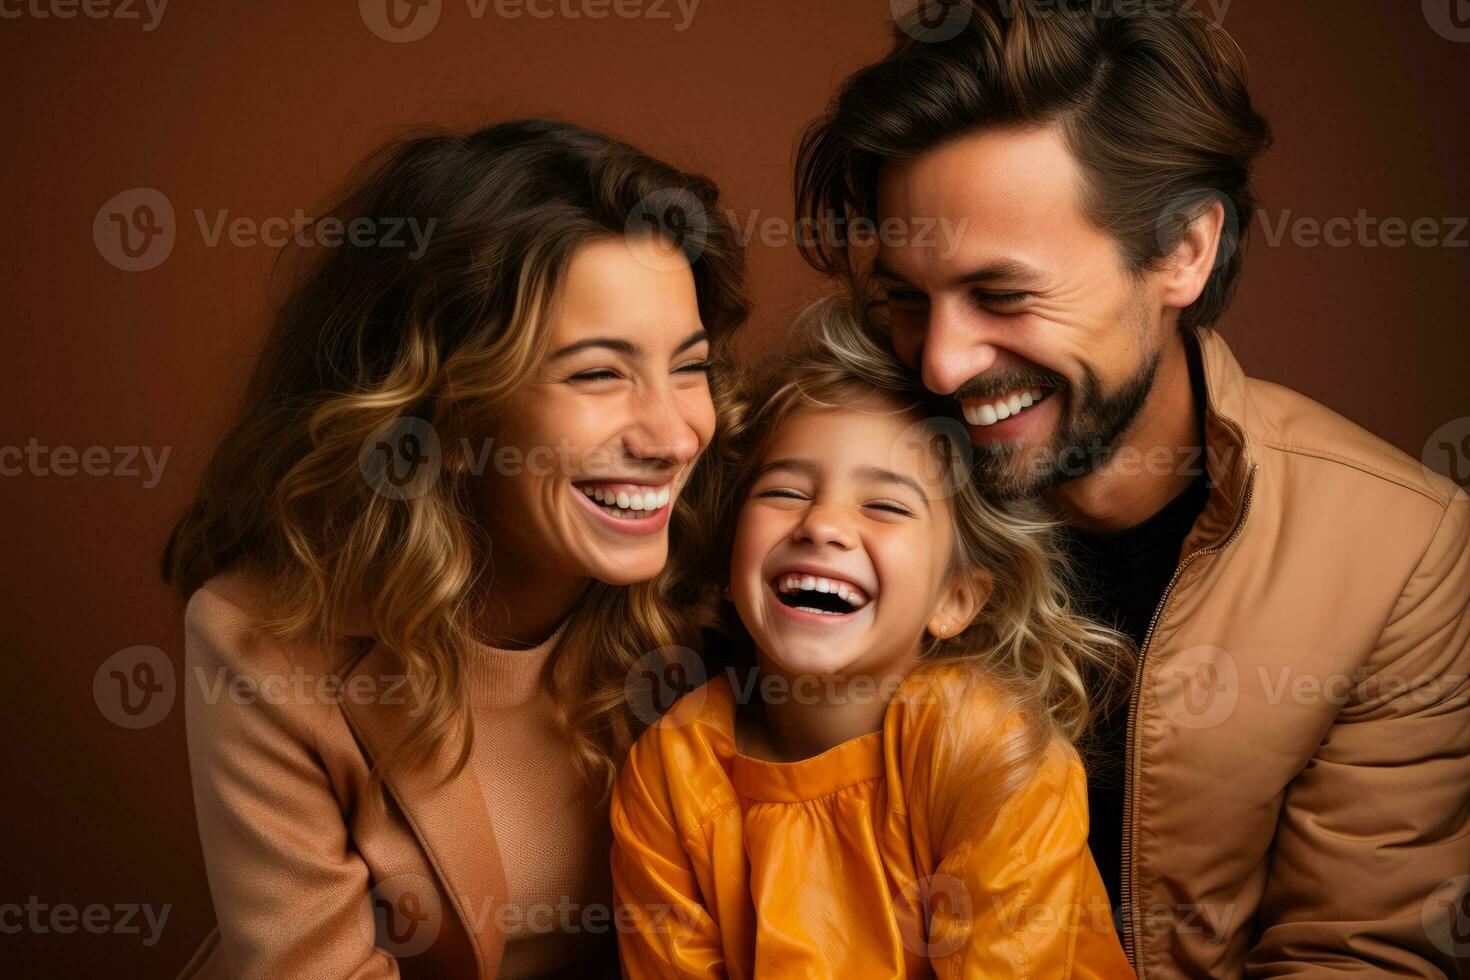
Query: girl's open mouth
x=818 y=595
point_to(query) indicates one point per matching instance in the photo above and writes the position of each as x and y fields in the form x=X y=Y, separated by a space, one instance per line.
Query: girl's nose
x=824 y=525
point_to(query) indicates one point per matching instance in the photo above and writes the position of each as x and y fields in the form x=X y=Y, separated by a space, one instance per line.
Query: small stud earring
x=944 y=629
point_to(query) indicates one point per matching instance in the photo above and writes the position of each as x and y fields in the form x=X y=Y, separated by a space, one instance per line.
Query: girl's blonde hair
x=1039 y=662
x=381 y=348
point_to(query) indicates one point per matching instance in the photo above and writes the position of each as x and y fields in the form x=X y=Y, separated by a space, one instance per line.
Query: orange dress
x=836 y=866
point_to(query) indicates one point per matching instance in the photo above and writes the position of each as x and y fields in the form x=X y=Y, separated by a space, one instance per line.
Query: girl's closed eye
x=890 y=506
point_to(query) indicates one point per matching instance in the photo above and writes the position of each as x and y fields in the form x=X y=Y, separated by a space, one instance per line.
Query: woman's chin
x=640 y=565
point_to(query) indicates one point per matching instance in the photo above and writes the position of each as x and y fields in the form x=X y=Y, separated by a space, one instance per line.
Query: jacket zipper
x=1130 y=916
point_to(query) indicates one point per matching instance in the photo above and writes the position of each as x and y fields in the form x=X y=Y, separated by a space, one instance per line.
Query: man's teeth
x=849 y=593
x=620 y=503
x=993 y=411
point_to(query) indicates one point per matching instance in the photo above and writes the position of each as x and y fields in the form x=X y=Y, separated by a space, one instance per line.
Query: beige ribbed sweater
x=553 y=844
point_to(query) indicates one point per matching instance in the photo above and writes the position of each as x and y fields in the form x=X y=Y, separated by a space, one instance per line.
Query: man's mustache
x=994 y=385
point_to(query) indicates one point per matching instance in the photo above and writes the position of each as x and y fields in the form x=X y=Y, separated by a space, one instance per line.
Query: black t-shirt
x=1121 y=577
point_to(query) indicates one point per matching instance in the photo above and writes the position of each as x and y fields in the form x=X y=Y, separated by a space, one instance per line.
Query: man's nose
x=959 y=344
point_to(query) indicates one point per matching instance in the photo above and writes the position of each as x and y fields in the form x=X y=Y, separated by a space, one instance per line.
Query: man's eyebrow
x=877 y=474
x=626 y=347
x=1009 y=272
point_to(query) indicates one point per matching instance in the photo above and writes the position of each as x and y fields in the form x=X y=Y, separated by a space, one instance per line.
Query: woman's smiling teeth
x=813 y=593
x=997 y=409
x=625 y=501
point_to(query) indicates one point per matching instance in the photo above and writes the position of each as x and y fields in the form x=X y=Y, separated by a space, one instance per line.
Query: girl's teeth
x=811 y=583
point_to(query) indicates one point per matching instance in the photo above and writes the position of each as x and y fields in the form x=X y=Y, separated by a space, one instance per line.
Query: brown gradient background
x=261 y=109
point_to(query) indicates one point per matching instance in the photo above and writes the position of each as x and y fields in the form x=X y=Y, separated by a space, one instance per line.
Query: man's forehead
x=991 y=196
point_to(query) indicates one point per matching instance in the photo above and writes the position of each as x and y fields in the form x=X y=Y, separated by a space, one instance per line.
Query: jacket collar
x=448 y=814
x=1229 y=449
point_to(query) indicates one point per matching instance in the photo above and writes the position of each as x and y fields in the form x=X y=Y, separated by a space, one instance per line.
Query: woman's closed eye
x=595 y=374
x=609 y=374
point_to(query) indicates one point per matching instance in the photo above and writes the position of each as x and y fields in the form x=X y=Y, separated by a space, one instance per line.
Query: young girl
x=889 y=788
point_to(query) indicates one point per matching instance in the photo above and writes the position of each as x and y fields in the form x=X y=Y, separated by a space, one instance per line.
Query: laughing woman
x=451 y=519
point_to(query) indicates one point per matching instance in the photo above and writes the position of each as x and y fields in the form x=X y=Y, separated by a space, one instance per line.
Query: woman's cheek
x=698 y=411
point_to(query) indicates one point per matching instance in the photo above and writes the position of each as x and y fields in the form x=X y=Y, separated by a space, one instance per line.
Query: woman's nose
x=659 y=429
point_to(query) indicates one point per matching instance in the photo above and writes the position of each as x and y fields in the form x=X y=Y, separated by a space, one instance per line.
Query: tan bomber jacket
x=1298 y=790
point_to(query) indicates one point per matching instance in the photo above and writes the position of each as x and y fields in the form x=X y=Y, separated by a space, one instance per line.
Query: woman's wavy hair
x=370 y=337
x=1029 y=653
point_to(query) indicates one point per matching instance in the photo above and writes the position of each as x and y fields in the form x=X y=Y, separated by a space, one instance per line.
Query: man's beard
x=1085 y=439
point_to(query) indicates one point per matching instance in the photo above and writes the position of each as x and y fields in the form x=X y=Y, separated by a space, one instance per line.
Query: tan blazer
x=308 y=879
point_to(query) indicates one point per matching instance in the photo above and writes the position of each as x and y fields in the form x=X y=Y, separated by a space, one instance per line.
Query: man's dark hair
x=1152 y=101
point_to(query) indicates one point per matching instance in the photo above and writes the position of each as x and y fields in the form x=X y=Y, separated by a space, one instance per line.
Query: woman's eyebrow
x=617 y=344
x=877 y=474
x=696 y=337
x=625 y=347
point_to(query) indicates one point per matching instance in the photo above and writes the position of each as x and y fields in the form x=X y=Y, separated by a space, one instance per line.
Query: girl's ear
x=963 y=598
